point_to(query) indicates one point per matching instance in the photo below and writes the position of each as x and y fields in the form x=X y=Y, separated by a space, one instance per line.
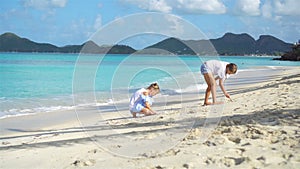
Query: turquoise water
x=34 y=82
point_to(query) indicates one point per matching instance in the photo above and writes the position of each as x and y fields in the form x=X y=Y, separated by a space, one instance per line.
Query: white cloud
x=79 y=27
x=181 y=6
x=100 y=5
x=151 y=5
x=248 y=7
x=159 y=5
x=58 y=3
x=175 y=25
x=45 y=4
x=277 y=10
x=98 y=22
x=266 y=9
x=199 y=6
x=287 y=7
x=278 y=18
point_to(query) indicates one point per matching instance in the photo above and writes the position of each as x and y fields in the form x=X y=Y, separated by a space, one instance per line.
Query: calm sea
x=35 y=82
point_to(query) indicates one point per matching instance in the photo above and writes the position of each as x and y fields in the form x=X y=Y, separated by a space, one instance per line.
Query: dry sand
x=259 y=129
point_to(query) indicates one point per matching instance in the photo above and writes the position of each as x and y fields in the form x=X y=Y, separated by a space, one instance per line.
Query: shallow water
x=35 y=82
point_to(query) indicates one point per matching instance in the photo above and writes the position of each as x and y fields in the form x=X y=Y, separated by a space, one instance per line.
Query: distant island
x=230 y=44
x=10 y=42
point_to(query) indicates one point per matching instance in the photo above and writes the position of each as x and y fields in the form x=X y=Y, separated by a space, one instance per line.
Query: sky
x=73 y=22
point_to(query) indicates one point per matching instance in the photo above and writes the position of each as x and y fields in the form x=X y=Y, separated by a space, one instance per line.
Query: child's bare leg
x=211 y=83
x=207 y=93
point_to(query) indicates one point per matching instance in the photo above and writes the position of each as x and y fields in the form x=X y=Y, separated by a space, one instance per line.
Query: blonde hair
x=153 y=86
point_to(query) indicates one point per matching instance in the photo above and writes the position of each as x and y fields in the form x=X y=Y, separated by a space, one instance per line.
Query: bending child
x=141 y=100
x=213 y=70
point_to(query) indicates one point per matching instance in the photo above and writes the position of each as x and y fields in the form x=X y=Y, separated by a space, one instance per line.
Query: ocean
x=37 y=83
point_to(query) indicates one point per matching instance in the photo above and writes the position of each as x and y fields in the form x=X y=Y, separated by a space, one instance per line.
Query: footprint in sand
x=5 y=143
x=287 y=156
x=173 y=152
x=269 y=121
x=188 y=165
x=209 y=143
x=82 y=163
x=149 y=136
x=236 y=109
x=261 y=159
x=226 y=161
x=94 y=151
x=233 y=161
x=236 y=140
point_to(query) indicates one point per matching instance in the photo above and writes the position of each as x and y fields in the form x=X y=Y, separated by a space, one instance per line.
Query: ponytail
x=153 y=86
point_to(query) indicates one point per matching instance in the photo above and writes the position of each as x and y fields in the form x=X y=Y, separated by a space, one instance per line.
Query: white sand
x=259 y=129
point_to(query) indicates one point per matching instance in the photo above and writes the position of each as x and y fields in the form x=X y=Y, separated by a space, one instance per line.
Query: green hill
x=229 y=44
x=173 y=45
x=234 y=44
x=270 y=45
x=10 y=42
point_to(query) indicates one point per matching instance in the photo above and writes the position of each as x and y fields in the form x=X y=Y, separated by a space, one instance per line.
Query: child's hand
x=227 y=95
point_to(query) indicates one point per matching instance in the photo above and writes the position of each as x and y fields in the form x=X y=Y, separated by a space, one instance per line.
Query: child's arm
x=223 y=88
x=147 y=104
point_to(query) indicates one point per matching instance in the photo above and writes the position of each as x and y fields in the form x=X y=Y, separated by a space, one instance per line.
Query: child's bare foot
x=216 y=103
x=207 y=103
x=149 y=114
x=152 y=113
x=134 y=114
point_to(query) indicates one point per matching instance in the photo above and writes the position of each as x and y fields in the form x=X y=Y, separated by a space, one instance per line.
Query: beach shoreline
x=259 y=129
x=192 y=82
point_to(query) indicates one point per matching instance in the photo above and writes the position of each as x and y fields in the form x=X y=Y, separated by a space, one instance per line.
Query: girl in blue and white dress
x=141 y=100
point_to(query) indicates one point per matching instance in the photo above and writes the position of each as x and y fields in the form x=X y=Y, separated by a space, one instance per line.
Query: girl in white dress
x=213 y=70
